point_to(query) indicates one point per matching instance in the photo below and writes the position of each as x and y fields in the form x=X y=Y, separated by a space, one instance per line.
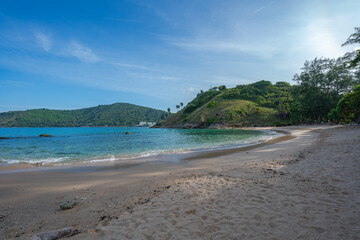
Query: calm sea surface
x=71 y=145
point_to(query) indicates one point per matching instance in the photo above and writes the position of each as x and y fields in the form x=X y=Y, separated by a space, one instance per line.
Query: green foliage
x=354 y=39
x=217 y=110
x=212 y=104
x=265 y=94
x=321 y=84
x=211 y=121
x=200 y=100
x=348 y=108
x=118 y=114
x=222 y=88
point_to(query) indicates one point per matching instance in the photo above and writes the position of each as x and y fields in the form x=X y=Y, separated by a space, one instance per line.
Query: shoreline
x=134 y=202
x=177 y=157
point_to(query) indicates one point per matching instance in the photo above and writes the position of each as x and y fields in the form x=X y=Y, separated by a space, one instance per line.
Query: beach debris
x=58 y=234
x=68 y=204
x=127 y=133
x=45 y=135
x=190 y=211
x=4 y=138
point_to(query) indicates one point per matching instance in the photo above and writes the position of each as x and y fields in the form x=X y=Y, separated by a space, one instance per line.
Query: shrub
x=212 y=104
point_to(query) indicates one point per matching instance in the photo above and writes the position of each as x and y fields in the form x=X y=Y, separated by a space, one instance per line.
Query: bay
x=89 y=144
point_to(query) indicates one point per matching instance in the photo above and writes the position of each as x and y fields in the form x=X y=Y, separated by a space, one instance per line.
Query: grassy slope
x=118 y=114
x=226 y=112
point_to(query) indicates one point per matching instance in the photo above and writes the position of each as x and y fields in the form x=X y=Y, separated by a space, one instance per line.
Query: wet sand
x=306 y=187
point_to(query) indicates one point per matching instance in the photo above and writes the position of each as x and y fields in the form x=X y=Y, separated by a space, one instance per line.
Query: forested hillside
x=257 y=104
x=326 y=90
x=266 y=104
x=118 y=114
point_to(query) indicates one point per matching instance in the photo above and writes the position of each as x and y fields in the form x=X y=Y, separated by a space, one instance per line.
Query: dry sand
x=307 y=187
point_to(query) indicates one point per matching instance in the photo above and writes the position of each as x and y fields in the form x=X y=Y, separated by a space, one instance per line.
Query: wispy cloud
x=20 y=107
x=43 y=40
x=152 y=76
x=82 y=52
x=125 y=65
x=227 y=46
x=257 y=10
x=229 y=80
x=16 y=83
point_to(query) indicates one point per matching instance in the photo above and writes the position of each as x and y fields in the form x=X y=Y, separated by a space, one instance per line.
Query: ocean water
x=72 y=145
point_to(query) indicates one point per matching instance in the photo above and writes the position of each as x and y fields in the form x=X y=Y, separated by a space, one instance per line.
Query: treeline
x=118 y=114
x=324 y=85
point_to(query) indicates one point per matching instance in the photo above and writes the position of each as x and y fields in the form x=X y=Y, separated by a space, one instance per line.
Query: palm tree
x=181 y=104
x=169 y=110
x=177 y=106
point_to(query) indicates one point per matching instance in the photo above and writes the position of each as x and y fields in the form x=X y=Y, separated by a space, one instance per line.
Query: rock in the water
x=4 y=137
x=45 y=135
x=127 y=133
x=68 y=204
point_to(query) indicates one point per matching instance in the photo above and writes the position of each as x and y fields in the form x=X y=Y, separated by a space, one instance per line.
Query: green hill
x=257 y=104
x=117 y=114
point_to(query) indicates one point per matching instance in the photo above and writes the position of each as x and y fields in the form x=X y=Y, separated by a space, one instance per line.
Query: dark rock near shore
x=68 y=205
x=58 y=234
x=4 y=137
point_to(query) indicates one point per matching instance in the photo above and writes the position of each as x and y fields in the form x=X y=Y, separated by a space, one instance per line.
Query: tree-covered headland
x=118 y=114
x=326 y=90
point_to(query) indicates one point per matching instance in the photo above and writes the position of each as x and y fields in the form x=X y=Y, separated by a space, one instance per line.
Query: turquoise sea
x=91 y=144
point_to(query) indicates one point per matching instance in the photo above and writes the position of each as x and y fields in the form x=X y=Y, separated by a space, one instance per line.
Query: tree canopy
x=354 y=39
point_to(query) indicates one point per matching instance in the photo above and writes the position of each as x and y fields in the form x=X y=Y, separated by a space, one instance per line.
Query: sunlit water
x=70 y=145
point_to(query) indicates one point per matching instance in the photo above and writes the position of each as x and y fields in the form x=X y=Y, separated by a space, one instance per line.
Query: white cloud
x=43 y=40
x=188 y=91
x=81 y=52
x=321 y=39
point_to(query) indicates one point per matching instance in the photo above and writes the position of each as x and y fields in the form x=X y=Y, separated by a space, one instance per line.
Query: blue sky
x=75 y=54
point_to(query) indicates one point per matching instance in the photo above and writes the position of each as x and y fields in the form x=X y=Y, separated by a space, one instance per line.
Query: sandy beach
x=303 y=186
